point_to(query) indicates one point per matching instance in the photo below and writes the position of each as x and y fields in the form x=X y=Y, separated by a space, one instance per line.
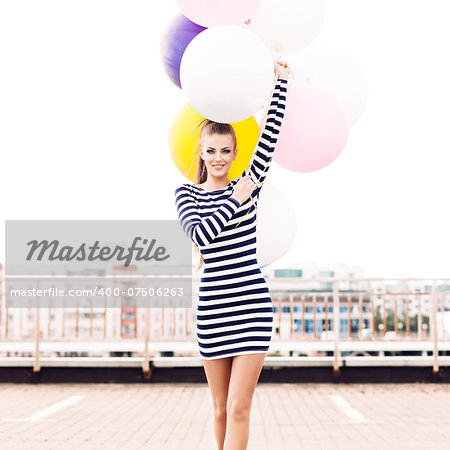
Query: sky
x=85 y=110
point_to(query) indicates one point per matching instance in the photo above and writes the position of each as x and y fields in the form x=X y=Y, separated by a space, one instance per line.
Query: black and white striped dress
x=234 y=311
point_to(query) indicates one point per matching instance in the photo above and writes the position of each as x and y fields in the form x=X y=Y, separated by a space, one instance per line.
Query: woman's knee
x=220 y=410
x=239 y=409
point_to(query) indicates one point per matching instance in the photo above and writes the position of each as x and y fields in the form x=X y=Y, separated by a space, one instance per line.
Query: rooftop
x=179 y=416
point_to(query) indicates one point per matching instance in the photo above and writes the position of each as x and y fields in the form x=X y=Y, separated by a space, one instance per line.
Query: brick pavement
x=179 y=416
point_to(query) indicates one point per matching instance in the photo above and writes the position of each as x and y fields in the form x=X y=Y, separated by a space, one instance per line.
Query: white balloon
x=276 y=225
x=226 y=73
x=334 y=72
x=288 y=26
x=218 y=12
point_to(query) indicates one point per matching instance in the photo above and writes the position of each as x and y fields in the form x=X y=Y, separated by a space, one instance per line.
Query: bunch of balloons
x=220 y=53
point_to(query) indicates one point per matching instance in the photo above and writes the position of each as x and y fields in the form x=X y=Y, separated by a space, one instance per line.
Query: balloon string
x=260 y=134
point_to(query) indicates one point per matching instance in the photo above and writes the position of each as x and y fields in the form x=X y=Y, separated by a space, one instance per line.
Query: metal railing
x=357 y=316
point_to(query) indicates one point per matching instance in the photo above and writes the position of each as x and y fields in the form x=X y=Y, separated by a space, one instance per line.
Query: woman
x=234 y=312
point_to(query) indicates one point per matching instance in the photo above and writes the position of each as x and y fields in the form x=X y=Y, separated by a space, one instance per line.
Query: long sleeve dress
x=234 y=310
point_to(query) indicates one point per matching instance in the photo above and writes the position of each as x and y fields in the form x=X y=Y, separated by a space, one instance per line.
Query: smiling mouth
x=219 y=165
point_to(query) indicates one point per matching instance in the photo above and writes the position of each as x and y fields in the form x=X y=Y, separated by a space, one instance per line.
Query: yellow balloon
x=184 y=138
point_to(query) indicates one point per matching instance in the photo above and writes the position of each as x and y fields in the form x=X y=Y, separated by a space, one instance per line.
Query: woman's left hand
x=285 y=71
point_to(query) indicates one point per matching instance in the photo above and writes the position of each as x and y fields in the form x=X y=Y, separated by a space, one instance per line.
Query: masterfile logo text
x=97 y=261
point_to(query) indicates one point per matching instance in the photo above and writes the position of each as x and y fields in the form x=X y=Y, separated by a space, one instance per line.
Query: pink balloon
x=314 y=130
x=218 y=12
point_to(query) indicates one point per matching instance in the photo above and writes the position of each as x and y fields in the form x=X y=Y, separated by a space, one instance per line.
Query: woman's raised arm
x=263 y=153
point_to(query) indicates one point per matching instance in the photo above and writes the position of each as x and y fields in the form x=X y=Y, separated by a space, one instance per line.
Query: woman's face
x=218 y=152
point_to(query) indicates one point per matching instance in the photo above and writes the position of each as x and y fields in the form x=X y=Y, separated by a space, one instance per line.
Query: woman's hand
x=285 y=71
x=243 y=189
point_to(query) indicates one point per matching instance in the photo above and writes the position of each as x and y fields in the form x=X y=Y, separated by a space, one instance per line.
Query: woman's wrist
x=282 y=70
x=284 y=74
x=233 y=196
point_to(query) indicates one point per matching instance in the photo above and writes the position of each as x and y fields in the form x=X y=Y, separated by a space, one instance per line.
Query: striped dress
x=234 y=310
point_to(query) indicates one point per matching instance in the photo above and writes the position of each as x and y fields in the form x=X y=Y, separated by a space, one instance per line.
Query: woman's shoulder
x=186 y=188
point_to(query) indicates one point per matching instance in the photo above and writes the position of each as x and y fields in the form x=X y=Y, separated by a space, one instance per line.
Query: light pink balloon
x=218 y=12
x=314 y=130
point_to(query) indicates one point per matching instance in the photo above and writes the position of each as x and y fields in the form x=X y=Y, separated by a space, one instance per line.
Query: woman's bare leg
x=218 y=373
x=245 y=372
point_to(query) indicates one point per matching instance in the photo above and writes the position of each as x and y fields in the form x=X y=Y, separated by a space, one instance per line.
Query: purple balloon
x=177 y=37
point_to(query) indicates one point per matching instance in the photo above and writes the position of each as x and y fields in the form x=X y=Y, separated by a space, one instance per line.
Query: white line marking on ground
x=41 y=416
x=352 y=413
